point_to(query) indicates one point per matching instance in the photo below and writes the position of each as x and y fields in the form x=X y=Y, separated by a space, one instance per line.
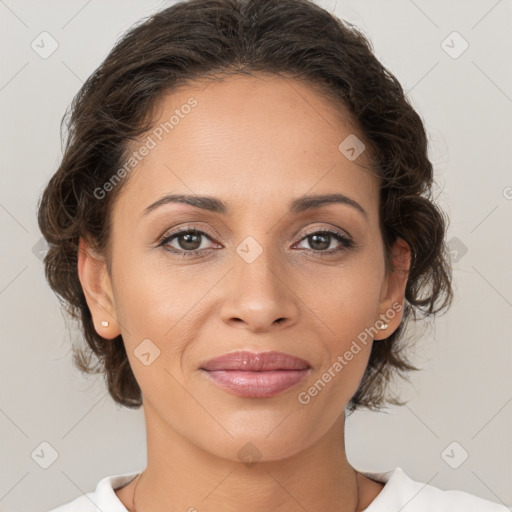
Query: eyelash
x=347 y=243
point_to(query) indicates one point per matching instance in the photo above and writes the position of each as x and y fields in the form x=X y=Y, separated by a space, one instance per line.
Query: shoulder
x=400 y=492
x=102 y=498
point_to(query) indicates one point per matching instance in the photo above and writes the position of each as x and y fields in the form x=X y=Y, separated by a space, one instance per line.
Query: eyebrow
x=212 y=204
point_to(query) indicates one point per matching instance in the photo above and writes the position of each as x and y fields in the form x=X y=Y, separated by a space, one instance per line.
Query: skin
x=256 y=143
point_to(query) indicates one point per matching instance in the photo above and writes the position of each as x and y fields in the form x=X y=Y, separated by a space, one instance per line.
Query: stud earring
x=104 y=323
x=383 y=326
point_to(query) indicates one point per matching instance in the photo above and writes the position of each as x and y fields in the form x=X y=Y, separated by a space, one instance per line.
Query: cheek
x=349 y=308
x=348 y=314
x=152 y=309
x=162 y=303
x=150 y=293
x=349 y=299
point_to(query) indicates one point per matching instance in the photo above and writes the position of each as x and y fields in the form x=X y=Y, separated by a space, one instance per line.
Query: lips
x=256 y=375
x=256 y=362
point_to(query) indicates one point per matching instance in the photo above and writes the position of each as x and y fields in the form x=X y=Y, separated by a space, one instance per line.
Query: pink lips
x=256 y=375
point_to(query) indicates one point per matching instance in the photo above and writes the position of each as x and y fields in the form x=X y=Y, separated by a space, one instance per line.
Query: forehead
x=245 y=138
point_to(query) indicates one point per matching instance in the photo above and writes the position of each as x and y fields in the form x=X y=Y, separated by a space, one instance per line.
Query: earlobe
x=392 y=301
x=96 y=284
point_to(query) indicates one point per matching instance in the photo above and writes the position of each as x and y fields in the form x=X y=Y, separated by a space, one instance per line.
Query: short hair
x=201 y=39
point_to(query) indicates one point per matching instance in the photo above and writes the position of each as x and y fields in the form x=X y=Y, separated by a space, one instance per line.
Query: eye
x=319 y=241
x=189 y=241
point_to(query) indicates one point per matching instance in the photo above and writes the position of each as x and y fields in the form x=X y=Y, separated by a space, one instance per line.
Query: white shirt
x=399 y=494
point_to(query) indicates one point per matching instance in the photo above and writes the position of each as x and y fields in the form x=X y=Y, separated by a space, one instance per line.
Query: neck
x=181 y=476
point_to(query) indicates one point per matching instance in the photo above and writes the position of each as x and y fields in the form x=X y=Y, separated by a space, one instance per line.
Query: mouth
x=256 y=362
x=256 y=375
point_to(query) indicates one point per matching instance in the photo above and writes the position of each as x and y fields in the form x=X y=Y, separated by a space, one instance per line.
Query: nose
x=259 y=295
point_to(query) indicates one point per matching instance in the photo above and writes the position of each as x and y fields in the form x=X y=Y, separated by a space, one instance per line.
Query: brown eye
x=188 y=242
x=319 y=241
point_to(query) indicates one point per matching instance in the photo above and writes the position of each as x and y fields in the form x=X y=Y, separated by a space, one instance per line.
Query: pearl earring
x=104 y=323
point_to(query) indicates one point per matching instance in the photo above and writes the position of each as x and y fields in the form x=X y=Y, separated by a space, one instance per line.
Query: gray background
x=464 y=394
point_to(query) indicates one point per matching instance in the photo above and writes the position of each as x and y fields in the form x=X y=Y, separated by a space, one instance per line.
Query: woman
x=243 y=223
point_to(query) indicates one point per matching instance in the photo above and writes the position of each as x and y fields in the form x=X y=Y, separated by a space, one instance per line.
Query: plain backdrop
x=459 y=410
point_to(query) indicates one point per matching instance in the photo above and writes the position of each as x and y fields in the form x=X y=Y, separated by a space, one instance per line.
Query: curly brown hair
x=200 y=39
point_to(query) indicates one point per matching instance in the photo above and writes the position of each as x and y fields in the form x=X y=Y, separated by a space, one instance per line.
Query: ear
x=97 y=287
x=391 y=303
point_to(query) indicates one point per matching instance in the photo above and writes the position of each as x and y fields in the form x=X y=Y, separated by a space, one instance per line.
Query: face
x=255 y=277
